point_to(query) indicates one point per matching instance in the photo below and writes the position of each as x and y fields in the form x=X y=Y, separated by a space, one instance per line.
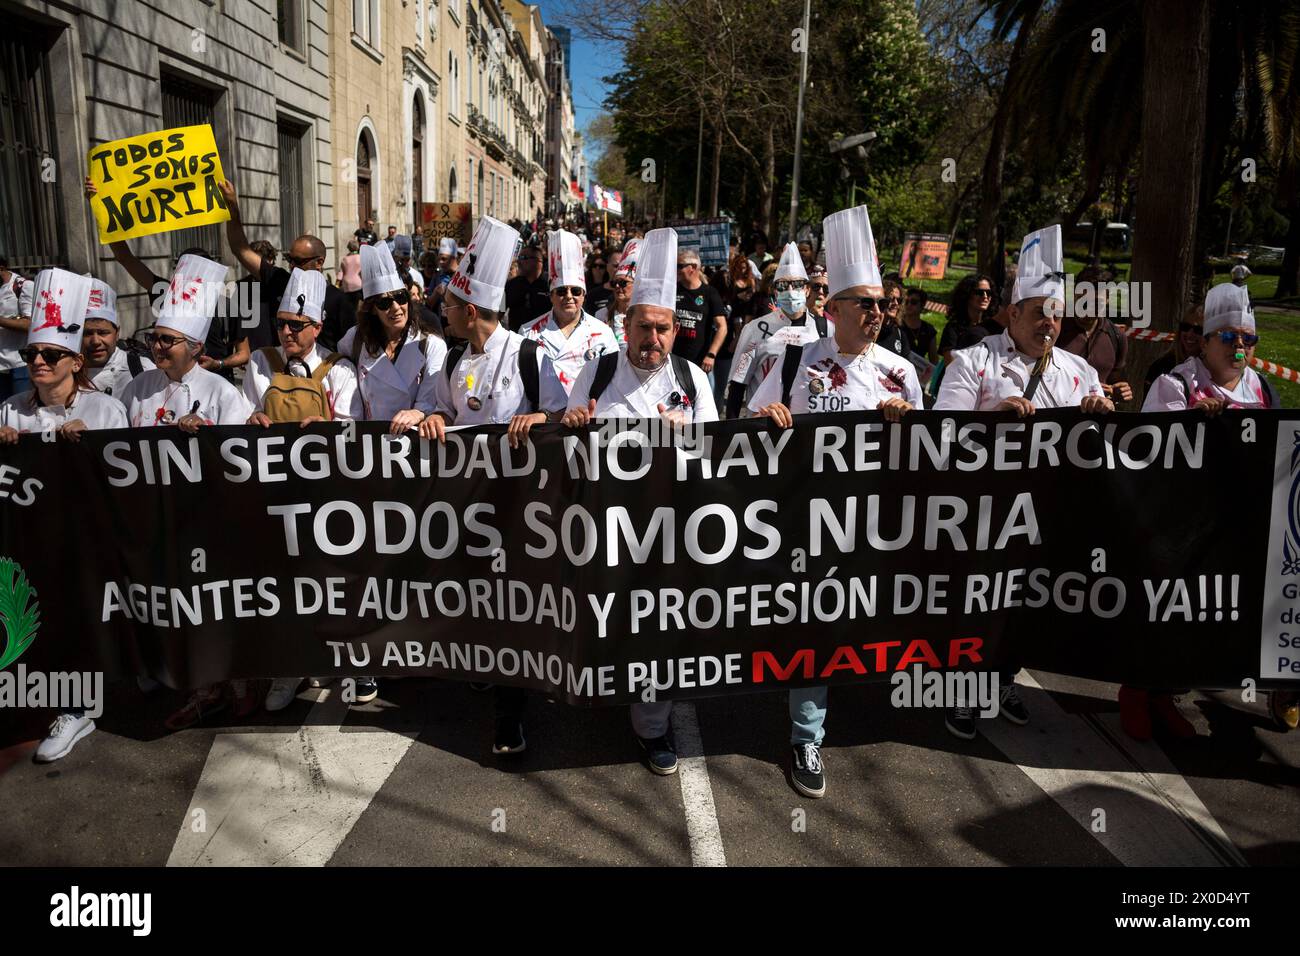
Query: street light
x=858 y=143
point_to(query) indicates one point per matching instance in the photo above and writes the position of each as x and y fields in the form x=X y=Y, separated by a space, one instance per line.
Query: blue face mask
x=791 y=301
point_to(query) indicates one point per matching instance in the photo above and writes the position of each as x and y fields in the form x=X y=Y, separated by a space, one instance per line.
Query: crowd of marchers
x=524 y=326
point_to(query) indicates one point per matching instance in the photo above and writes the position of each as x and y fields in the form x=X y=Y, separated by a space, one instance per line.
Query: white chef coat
x=114 y=376
x=387 y=389
x=634 y=393
x=13 y=305
x=763 y=340
x=340 y=382
x=1166 y=395
x=154 y=399
x=847 y=383
x=589 y=340
x=616 y=322
x=96 y=409
x=492 y=376
x=982 y=376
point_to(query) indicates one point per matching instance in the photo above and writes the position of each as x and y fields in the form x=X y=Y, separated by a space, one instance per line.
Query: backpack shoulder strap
x=453 y=357
x=606 y=366
x=685 y=378
x=789 y=369
x=821 y=325
x=1182 y=383
x=529 y=372
x=133 y=364
x=273 y=359
x=325 y=367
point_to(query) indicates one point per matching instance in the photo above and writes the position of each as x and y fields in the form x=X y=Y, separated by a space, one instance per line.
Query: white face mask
x=791 y=301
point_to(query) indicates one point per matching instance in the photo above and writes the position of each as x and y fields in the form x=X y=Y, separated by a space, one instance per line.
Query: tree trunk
x=995 y=158
x=717 y=172
x=1174 y=81
x=1288 y=283
x=770 y=214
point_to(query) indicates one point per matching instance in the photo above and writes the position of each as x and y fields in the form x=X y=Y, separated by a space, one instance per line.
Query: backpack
x=607 y=365
x=133 y=363
x=528 y=371
x=291 y=399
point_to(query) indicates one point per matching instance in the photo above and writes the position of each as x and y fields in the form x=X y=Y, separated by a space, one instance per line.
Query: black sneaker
x=1012 y=707
x=960 y=722
x=367 y=689
x=509 y=736
x=660 y=755
x=807 y=773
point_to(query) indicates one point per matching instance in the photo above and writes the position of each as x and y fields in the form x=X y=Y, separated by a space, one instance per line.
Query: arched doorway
x=417 y=161
x=365 y=152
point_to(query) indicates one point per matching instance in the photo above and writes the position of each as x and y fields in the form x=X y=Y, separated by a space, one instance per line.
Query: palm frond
x=18 y=610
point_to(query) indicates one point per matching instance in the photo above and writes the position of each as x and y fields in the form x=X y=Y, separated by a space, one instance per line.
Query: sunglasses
x=1228 y=338
x=621 y=284
x=786 y=284
x=566 y=290
x=529 y=259
x=983 y=293
x=1189 y=327
x=164 y=341
x=294 y=260
x=293 y=325
x=598 y=265
x=385 y=302
x=52 y=356
x=687 y=265
x=894 y=304
x=818 y=287
x=866 y=303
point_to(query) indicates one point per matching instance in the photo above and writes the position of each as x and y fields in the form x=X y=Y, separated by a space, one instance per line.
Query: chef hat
x=627 y=261
x=656 y=270
x=481 y=276
x=447 y=246
x=378 y=271
x=850 y=250
x=1228 y=306
x=103 y=301
x=791 y=266
x=191 y=299
x=1041 y=270
x=564 y=260
x=59 y=301
x=402 y=246
x=304 y=295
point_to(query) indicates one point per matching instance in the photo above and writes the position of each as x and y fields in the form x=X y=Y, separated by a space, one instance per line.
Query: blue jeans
x=718 y=380
x=13 y=381
x=807 y=715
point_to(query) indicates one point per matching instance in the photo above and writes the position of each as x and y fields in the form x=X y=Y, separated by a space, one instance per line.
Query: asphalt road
x=409 y=779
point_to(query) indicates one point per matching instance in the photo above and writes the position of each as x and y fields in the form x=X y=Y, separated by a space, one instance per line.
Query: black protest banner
x=1132 y=548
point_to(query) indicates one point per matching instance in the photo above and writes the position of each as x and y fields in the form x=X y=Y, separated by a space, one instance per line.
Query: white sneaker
x=66 y=730
x=283 y=691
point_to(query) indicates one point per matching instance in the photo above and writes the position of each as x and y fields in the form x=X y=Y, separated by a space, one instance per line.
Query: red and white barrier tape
x=1272 y=368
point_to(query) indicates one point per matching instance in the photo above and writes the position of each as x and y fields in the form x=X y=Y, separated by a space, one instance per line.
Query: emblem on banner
x=19 y=610
x=1291 y=543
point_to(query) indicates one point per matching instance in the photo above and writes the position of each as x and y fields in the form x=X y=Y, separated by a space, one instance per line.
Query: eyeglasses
x=686 y=265
x=28 y=354
x=295 y=261
x=894 y=304
x=866 y=303
x=565 y=291
x=598 y=265
x=1189 y=327
x=819 y=287
x=293 y=325
x=621 y=283
x=164 y=341
x=983 y=293
x=1228 y=337
x=785 y=285
x=385 y=302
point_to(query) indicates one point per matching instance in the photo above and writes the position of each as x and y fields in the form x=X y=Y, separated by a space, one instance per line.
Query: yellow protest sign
x=157 y=182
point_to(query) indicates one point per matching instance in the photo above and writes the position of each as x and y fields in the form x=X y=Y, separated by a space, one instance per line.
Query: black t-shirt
x=922 y=337
x=1161 y=366
x=597 y=295
x=526 y=300
x=895 y=338
x=366 y=236
x=697 y=312
x=959 y=335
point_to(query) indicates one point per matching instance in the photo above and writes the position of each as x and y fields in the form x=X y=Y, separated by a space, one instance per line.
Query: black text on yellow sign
x=157 y=182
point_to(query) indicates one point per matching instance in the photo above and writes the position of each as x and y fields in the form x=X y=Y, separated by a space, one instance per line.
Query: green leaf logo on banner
x=19 y=610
